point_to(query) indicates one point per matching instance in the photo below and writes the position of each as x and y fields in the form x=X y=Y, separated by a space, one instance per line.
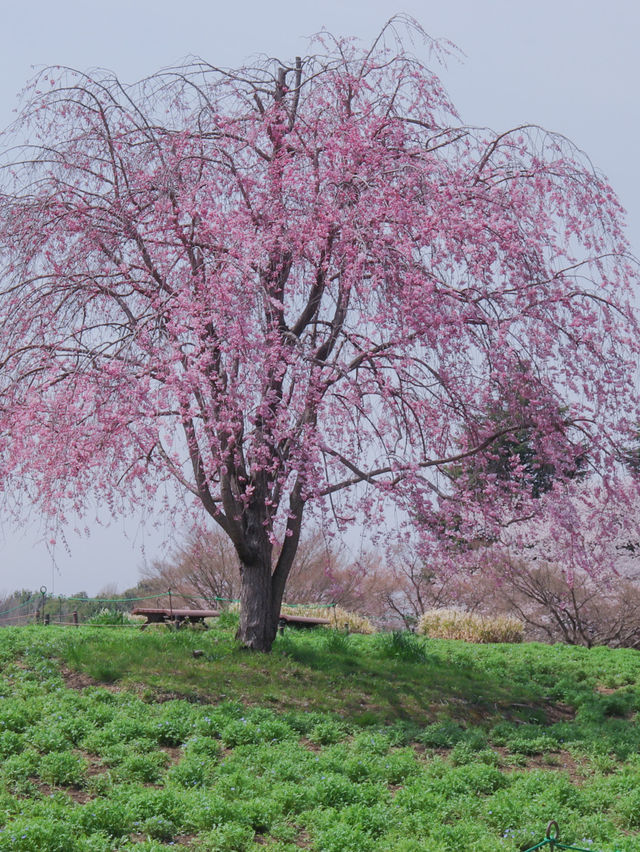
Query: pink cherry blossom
x=296 y=285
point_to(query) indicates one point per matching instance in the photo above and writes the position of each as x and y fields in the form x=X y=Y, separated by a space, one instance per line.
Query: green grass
x=116 y=739
x=333 y=673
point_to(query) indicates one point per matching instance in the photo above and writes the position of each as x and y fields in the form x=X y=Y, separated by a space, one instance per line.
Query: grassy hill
x=114 y=739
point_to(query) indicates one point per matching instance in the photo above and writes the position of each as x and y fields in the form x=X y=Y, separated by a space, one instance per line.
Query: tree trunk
x=261 y=584
x=259 y=611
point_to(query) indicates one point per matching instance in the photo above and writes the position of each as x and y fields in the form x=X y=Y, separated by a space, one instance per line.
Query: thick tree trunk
x=261 y=583
x=259 y=611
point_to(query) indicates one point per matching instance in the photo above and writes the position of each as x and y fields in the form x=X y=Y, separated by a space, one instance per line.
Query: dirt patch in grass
x=558 y=712
x=303 y=841
x=510 y=762
x=476 y=712
x=310 y=746
x=557 y=761
x=606 y=690
x=186 y=840
x=566 y=763
x=79 y=796
x=94 y=764
x=544 y=711
x=79 y=680
x=173 y=752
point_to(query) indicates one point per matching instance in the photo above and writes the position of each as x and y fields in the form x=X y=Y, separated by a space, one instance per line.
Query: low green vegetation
x=116 y=739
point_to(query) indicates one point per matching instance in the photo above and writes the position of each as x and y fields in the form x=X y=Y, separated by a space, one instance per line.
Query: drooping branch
x=297 y=279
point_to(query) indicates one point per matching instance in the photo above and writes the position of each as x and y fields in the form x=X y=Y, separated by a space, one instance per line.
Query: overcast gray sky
x=572 y=66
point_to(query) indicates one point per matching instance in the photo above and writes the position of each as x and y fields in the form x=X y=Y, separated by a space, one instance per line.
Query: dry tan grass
x=453 y=624
x=340 y=619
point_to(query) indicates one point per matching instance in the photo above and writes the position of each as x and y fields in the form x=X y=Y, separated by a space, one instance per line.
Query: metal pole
x=43 y=592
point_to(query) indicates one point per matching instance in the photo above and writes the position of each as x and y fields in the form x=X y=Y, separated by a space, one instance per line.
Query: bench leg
x=153 y=620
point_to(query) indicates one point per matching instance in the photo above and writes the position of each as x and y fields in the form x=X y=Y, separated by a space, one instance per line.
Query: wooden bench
x=179 y=617
x=174 y=617
x=301 y=621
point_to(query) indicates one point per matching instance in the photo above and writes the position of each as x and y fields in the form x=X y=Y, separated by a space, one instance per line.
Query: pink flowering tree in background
x=297 y=285
x=572 y=571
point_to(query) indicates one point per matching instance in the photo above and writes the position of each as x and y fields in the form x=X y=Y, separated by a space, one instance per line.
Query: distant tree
x=108 y=592
x=415 y=588
x=16 y=607
x=205 y=568
x=283 y=283
x=516 y=460
x=575 y=578
x=579 y=610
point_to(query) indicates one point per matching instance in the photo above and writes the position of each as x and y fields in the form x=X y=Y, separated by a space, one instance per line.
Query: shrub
x=208 y=810
x=339 y=836
x=203 y=745
x=63 y=768
x=192 y=771
x=172 y=729
x=107 y=816
x=10 y=743
x=259 y=813
x=47 y=739
x=112 y=616
x=401 y=645
x=165 y=804
x=19 y=767
x=37 y=835
x=253 y=729
x=230 y=837
x=453 y=624
x=441 y=735
x=158 y=827
x=326 y=732
x=464 y=753
x=14 y=716
x=542 y=744
x=211 y=721
x=145 y=768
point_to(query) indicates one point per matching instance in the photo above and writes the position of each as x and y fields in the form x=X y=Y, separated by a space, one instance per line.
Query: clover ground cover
x=330 y=743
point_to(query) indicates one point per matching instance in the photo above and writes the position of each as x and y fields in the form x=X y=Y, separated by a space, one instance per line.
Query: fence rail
x=44 y=608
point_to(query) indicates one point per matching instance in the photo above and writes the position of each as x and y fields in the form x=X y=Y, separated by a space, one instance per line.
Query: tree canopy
x=286 y=282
